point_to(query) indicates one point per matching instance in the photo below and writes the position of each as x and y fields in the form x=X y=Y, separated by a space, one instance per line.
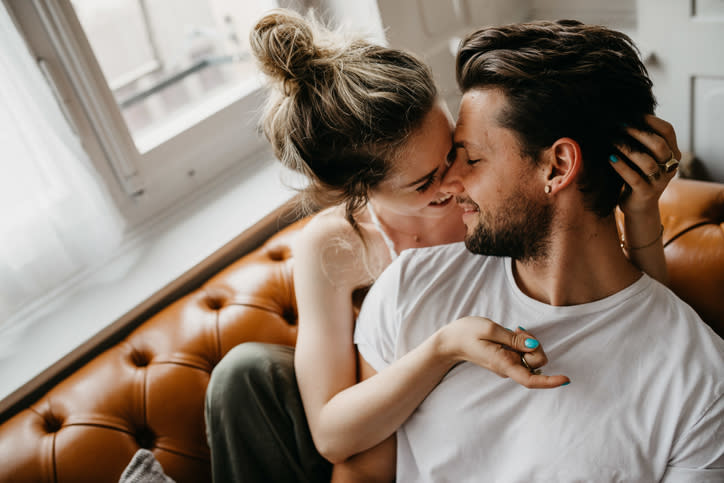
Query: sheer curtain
x=56 y=219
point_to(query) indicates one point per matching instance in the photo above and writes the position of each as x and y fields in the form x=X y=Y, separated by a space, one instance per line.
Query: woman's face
x=413 y=187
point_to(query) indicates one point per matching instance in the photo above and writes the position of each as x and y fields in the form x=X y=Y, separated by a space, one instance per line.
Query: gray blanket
x=144 y=468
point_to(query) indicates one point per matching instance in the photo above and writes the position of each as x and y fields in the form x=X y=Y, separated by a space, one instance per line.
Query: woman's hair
x=340 y=109
x=564 y=79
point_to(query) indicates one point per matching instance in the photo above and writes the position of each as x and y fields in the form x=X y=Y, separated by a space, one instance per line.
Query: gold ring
x=671 y=164
x=532 y=371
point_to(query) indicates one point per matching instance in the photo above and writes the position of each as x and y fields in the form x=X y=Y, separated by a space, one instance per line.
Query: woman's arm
x=642 y=229
x=325 y=355
x=375 y=465
x=327 y=269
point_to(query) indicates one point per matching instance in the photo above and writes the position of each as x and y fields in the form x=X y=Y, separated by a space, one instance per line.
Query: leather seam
x=687 y=230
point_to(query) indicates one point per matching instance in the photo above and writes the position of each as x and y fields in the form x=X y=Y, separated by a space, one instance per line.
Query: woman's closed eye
x=427 y=184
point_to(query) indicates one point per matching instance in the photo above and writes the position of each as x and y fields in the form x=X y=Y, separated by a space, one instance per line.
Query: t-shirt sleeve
x=377 y=325
x=698 y=456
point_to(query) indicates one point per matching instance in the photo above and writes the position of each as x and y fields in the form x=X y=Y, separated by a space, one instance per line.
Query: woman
x=364 y=124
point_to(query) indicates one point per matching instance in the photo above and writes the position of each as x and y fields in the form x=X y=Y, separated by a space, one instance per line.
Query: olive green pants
x=255 y=421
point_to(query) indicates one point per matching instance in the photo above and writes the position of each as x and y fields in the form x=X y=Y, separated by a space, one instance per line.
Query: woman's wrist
x=443 y=350
x=641 y=227
x=641 y=209
x=629 y=247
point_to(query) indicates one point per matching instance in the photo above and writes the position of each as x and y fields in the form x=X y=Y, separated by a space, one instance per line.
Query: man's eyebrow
x=422 y=178
x=466 y=145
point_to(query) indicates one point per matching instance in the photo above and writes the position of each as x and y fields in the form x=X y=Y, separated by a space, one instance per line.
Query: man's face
x=506 y=211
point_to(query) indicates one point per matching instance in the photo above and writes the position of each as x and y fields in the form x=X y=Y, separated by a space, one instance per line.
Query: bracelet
x=658 y=237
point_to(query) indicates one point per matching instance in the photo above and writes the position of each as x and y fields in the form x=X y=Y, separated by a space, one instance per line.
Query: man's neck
x=584 y=264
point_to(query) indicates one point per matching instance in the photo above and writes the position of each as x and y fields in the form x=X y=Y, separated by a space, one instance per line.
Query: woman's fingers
x=532 y=354
x=661 y=146
x=656 y=144
x=647 y=186
x=501 y=351
x=665 y=130
x=636 y=181
x=509 y=363
x=535 y=381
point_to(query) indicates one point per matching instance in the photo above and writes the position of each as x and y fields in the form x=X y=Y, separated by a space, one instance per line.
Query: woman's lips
x=444 y=201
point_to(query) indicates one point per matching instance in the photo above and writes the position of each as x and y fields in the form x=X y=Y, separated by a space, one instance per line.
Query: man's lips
x=467 y=205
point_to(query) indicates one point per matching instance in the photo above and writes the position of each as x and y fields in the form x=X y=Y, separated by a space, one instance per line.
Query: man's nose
x=452 y=180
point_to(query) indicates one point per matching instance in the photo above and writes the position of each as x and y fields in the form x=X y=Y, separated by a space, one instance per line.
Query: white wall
x=686 y=41
x=620 y=14
x=432 y=29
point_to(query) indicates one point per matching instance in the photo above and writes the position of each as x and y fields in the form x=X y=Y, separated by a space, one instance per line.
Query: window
x=163 y=94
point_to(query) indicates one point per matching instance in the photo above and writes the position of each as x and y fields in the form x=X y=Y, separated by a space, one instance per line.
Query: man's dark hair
x=564 y=79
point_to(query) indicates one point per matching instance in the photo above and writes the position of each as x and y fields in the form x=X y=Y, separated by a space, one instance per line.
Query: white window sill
x=169 y=246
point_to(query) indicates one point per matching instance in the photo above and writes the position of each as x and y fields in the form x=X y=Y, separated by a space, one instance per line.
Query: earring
x=547 y=189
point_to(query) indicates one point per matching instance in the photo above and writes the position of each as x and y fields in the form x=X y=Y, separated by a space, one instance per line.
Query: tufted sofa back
x=147 y=391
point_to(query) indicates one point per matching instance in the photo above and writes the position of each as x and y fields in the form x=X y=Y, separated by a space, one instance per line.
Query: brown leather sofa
x=147 y=390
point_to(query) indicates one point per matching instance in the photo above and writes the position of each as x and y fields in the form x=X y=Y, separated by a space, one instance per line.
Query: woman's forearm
x=642 y=242
x=363 y=415
x=367 y=413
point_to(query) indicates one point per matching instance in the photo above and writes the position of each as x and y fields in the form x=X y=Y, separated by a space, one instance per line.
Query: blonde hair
x=340 y=108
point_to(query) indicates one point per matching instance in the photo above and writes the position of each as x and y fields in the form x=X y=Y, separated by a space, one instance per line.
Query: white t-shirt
x=645 y=402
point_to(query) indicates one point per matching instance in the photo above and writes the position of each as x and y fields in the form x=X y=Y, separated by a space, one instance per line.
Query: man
x=545 y=107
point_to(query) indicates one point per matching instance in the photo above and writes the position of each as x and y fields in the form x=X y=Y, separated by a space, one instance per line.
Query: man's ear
x=565 y=164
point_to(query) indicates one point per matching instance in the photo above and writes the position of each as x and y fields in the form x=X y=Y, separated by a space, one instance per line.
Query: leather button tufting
x=276 y=254
x=140 y=359
x=52 y=423
x=214 y=303
x=145 y=438
x=289 y=314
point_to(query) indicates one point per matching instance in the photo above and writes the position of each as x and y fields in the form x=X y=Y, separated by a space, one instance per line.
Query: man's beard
x=521 y=230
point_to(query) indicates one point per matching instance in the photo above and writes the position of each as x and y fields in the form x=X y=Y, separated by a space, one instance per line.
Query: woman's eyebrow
x=422 y=178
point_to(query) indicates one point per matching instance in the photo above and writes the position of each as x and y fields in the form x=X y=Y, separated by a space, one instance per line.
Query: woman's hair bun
x=283 y=43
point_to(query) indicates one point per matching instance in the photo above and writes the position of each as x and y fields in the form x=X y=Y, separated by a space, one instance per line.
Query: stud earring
x=547 y=189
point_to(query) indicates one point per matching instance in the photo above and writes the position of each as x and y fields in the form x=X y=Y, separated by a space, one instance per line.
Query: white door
x=684 y=40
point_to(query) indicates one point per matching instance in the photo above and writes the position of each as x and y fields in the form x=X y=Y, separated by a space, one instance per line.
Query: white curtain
x=56 y=219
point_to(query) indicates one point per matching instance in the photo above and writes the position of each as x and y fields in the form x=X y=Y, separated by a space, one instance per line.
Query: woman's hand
x=647 y=188
x=642 y=233
x=489 y=345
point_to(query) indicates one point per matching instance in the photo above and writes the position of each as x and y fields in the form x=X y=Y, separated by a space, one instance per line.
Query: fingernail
x=565 y=383
x=613 y=158
x=531 y=343
x=509 y=330
x=521 y=328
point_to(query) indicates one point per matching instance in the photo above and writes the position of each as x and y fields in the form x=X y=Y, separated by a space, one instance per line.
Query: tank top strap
x=388 y=241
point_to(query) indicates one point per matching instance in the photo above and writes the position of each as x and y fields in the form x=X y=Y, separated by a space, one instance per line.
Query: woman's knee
x=247 y=369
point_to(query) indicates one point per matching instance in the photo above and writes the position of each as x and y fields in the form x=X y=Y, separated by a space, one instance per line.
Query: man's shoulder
x=684 y=343
x=677 y=311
